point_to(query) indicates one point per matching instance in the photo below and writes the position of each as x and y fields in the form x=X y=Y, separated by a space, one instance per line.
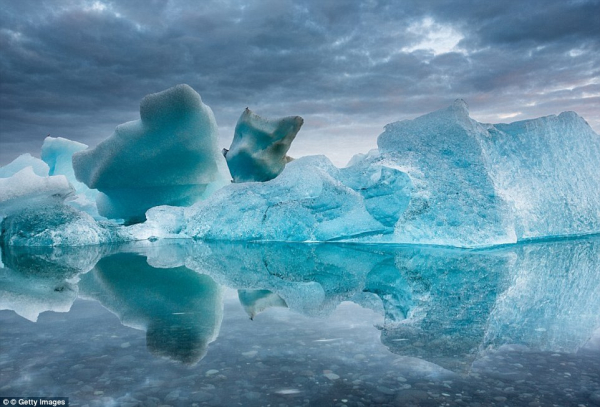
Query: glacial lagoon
x=185 y=323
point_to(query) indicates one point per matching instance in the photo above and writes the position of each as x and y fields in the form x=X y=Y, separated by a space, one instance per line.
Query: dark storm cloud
x=77 y=69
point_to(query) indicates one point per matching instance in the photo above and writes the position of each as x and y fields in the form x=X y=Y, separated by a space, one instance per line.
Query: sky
x=77 y=69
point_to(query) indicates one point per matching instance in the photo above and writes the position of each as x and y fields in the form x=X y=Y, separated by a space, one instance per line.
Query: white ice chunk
x=26 y=190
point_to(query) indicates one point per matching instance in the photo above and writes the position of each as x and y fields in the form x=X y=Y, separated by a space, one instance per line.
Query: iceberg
x=259 y=147
x=27 y=190
x=168 y=157
x=547 y=169
x=306 y=202
x=441 y=179
x=57 y=153
x=454 y=201
x=480 y=184
x=55 y=225
x=33 y=213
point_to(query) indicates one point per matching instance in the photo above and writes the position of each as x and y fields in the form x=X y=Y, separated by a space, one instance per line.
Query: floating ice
x=259 y=147
x=23 y=161
x=27 y=190
x=168 y=157
x=440 y=179
x=55 y=225
x=35 y=214
x=454 y=200
x=480 y=185
x=58 y=154
x=306 y=202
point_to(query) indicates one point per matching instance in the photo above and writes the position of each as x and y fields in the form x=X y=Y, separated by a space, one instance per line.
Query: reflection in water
x=180 y=310
x=34 y=280
x=445 y=306
x=257 y=301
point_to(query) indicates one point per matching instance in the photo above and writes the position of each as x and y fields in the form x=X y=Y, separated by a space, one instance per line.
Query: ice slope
x=168 y=157
x=23 y=161
x=386 y=190
x=259 y=146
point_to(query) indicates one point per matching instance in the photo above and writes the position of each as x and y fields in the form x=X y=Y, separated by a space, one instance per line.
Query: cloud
x=77 y=69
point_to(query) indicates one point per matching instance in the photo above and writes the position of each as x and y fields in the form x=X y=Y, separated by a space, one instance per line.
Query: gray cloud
x=77 y=69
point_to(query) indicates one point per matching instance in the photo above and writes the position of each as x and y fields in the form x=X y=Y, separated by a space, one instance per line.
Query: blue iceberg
x=480 y=184
x=441 y=179
x=168 y=157
x=259 y=146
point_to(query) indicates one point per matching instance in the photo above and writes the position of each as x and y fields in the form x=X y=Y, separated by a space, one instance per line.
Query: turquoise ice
x=441 y=179
x=168 y=157
x=259 y=146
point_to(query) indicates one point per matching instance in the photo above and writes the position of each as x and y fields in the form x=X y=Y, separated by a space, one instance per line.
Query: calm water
x=193 y=324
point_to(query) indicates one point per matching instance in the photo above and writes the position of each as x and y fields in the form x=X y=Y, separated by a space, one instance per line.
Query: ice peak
x=459 y=105
x=171 y=104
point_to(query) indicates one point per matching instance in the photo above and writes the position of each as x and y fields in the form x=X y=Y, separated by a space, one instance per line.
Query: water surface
x=188 y=323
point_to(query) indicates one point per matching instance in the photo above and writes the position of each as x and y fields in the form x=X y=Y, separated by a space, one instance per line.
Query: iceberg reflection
x=445 y=306
x=180 y=310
